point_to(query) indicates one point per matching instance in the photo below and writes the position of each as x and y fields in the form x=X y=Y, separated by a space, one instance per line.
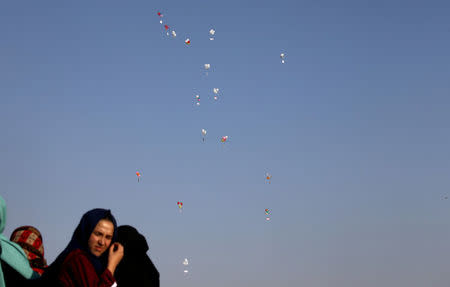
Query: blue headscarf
x=80 y=240
x=82 y=233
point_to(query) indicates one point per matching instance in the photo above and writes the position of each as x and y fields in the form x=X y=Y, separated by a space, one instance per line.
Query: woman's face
x=101 y=237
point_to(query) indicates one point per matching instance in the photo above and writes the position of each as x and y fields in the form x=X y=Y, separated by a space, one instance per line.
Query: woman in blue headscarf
x=14 y=265
x=92 y=255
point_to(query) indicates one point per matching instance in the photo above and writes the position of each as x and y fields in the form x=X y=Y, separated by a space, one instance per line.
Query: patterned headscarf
x=30 y=239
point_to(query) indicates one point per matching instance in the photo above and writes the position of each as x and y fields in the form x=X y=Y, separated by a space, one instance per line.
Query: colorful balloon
x=267 y=211
x=138 y=175
x=268 y=177
x=197 y=99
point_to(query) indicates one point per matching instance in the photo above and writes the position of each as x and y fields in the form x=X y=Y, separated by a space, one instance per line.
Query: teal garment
x=12 y=253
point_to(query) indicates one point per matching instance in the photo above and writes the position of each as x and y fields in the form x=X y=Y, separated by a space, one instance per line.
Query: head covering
x=11 y=253
x=136 y=268
x=79 y=240
x=30 y=239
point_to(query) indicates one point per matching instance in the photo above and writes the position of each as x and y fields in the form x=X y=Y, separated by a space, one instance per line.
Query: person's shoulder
x=76 y=255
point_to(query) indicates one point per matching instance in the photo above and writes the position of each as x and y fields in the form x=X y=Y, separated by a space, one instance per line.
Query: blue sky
x=354 y=128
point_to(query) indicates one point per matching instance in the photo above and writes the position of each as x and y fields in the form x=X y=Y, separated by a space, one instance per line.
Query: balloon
x=268 y=176
x=282 y=55
x=216 y=92
x=224 y=139
x=207 y=67
x=138 y=175
x=166 y=27
x=212 y=32
x=197 y=97
x=187 y=41
x=267 y=214
x=174 y=34
x=185 y=263
x=180 y=204
x=203 y=134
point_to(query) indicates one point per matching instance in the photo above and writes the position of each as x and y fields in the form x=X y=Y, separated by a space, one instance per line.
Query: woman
x=136 y=268
x=88 y=260
x=14 y=266
x=30 y=239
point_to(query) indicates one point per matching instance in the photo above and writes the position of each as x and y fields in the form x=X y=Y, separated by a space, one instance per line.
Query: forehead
x=105 y=226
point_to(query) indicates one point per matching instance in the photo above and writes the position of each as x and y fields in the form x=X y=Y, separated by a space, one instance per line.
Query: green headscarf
x=12 y=253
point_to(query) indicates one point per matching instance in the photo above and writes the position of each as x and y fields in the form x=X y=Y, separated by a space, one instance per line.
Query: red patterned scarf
x=30 y=239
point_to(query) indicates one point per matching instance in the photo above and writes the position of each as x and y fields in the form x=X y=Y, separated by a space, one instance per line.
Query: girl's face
x=101 y=237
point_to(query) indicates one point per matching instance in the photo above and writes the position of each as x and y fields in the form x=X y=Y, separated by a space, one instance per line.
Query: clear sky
x=354 y=128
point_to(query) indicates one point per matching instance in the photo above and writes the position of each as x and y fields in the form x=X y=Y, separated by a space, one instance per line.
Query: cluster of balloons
x=180 y=206
x=167 y=29
x=267 y=212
